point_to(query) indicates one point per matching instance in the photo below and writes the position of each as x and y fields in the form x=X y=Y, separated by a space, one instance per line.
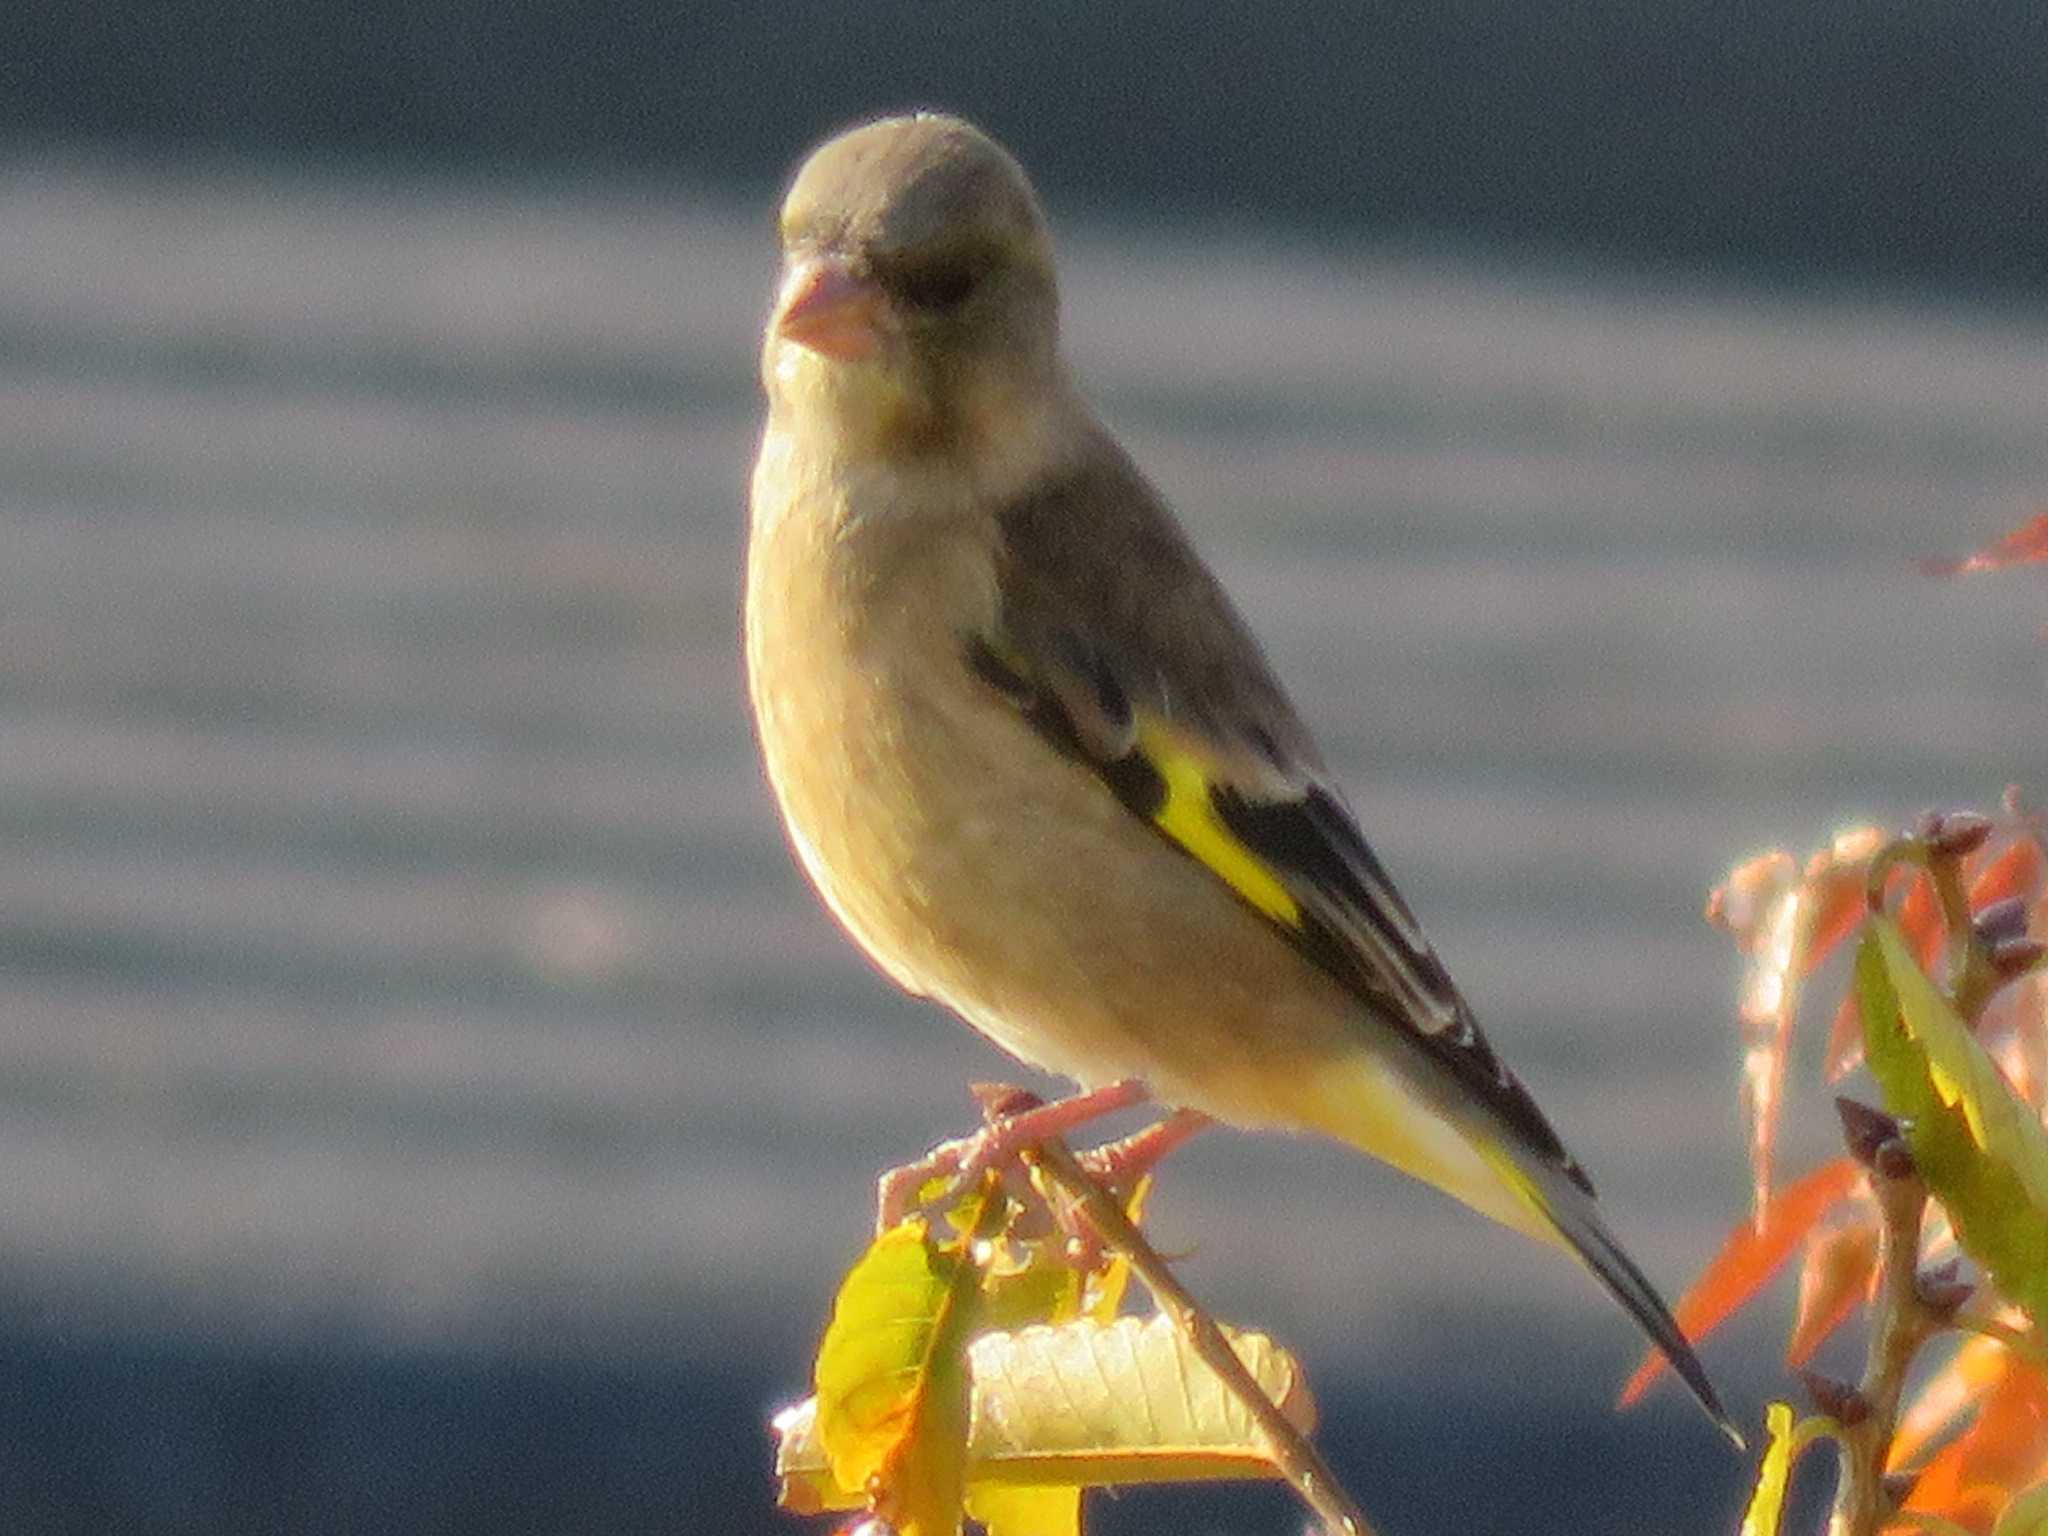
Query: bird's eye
x=936 y=286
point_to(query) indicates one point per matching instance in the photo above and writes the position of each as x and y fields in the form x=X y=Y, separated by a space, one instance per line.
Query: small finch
x=1028 y=751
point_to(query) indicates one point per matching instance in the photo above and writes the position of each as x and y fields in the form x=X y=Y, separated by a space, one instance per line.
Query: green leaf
x=2026 y=1515
x=1773 y=1474
x=1088 y=1404
x=1009 y=1510
x=893 y=1387
x=1030 y=1283
x=871 y=1363
x=1129 y=1401
x=1981 y=1150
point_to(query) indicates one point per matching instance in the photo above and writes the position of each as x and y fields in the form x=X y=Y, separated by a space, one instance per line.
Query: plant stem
x=1900 y=1323
x=1300 y=1462
x=2024 y=1342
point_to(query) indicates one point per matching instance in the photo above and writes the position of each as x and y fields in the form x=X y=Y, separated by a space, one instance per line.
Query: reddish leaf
x=1836 y=906
x=1833 y=1282
x=2020 y=1057
x=1787 y=921
x=1970 y=1480
x=1750 y=1255
x=1845 y=1040
x=2014 y=1025
x=2025 y=545
x=1769 y=1011
x=1762 y=906
x=1839 y=909
x=2015 y=872
x=1919 y=919
x=1738 y=903
x=1947 y=1395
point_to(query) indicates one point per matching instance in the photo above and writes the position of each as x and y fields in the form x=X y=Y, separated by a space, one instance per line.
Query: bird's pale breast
x=973 y=863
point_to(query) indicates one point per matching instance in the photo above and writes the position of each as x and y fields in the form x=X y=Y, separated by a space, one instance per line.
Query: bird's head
x=917 y=301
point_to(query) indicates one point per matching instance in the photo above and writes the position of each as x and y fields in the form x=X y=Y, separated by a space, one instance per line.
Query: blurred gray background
x=429 y=1098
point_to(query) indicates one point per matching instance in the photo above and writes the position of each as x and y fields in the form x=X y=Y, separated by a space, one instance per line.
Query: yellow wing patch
x=1188 y=816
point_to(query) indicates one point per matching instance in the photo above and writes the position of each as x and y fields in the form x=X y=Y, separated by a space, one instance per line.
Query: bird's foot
x=902 y=1190
x=1017 y=1120
x=1118 y=1164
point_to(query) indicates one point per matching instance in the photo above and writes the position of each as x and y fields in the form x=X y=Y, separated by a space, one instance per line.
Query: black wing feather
x=1320 y=853
x=1083 y=650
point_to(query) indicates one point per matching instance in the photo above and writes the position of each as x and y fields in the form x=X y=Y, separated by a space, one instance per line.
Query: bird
x=1029 y=753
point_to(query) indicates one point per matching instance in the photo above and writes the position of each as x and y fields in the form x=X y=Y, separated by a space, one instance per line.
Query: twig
x=1296 y=1457
x=1900 y=1323
x=2024 y=1342
x=1902 y=1318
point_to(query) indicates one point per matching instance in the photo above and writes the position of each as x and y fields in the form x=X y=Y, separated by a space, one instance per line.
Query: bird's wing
x=1157 y=687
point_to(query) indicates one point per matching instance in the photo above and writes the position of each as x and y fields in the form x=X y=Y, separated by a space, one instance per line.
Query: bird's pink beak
x=826 y=307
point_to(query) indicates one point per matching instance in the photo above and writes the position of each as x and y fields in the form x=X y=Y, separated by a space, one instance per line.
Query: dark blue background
x=1814 y=141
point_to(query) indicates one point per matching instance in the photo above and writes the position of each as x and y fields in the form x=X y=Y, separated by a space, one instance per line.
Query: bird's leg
x=1009 y=1130
x=1117 y=1163
x=896 y=1191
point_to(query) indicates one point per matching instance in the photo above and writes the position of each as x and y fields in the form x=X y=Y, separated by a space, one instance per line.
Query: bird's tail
x=1569 y=1211
x=1445 y=1140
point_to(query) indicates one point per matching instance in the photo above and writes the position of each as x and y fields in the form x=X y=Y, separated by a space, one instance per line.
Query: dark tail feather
x=1580 y=1226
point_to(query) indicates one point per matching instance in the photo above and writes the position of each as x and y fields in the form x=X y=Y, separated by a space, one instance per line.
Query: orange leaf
x=1836 y=906
x=1919 y=920
x=1750 y=1255
x=1786 y=921
x=2019 y=1056
x=1974 y=1477
x=1845 y=1040
x=1947 y=1395
x=1761 y=905
x=1738 y=903
x=1834 y=1279
x=1839 y=912
x=2025 y=545
x=2014 y=1027
x=2015 y=872
x=1768 y=1012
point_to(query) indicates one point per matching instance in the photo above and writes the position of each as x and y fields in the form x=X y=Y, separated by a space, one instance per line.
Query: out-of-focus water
x=428 y=1095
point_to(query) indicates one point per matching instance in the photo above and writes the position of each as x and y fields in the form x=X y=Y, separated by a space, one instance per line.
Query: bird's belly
x=978 y=867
